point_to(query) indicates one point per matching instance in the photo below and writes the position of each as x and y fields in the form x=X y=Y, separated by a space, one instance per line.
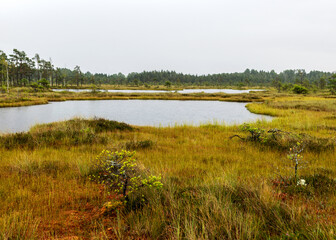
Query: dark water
x=228 y=91
x=135 y=112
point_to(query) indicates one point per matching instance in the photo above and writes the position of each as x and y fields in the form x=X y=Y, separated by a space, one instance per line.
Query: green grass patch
x=71 y=133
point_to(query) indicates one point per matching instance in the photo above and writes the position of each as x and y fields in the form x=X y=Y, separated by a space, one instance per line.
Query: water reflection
x=228 y=91
x=136 y=112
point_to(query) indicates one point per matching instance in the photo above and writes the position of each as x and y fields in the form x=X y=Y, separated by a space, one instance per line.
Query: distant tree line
x=247 y=78
x=17 y=69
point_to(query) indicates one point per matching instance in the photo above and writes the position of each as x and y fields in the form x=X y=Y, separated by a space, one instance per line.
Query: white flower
x=301 y=182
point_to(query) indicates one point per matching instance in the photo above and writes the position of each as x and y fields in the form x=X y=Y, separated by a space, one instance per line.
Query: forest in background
x=18 y=69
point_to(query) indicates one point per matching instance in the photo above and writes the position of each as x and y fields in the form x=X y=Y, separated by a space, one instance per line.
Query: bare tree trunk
x=7 y=79
x=2 y=75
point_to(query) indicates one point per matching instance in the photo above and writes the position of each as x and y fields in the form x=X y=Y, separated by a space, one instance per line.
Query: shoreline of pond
x=173 y=115
x=29 y=99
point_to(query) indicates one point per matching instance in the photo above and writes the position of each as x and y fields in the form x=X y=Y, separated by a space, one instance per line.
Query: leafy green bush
x=119 y=173
x=257 y=134
x=34 y=86
x=168 y=84
x=44 y=83
x=298 y=89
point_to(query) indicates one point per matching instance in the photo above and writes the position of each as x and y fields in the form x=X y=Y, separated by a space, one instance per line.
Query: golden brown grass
x=214 y=187
x=56 y=97
x=153 y=87
x=24 y=97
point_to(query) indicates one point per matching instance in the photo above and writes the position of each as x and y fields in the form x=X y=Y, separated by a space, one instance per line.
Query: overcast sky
x=189 y=36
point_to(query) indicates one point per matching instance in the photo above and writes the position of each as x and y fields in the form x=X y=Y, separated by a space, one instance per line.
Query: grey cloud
x=191 y=36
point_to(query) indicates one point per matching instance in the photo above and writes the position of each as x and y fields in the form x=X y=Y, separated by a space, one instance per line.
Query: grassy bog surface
x=214 y=186
x=25 y=96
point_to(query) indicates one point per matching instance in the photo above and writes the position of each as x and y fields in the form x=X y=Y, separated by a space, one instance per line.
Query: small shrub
x=295 y=158
x=284 y=140
x=34 y=86
x=299 y=89
x=168 y=84
x=119 y=173
x=44 y=83
x=293 y=163
x=257 y=134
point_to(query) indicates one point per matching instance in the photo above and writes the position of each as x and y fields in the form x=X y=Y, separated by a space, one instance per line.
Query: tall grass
x=73 y=132
x=214 y=187
x=23 y=97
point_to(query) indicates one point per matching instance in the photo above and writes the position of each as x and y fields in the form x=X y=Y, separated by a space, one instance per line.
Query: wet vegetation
x=283 y=140
x=69 y=133
x=134 y=145
x=24 y=97
x=276 y=180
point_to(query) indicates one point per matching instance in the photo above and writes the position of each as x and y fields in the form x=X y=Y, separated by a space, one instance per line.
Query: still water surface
x=112 y=91
x=135 y=112
x=228 y=91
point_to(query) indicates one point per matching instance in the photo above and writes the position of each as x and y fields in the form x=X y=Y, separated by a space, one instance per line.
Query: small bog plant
x=119 y=172
x=293 y=162
x=295 y=158
x=294 y=185
x=257 y=134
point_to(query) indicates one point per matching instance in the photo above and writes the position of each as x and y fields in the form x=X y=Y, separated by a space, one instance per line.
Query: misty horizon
x=192 y=37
